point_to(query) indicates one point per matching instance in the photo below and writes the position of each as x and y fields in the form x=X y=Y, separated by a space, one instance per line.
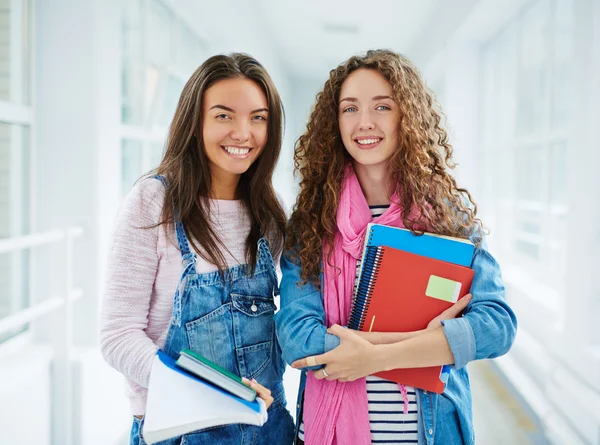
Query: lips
x=236 y=151
x=368 y=142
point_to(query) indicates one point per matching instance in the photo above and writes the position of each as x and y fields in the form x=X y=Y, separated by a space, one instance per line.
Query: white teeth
x=236 y=151
x=367 y=141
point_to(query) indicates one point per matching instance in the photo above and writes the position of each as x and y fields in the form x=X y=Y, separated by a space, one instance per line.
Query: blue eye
x=350 y=109
x=383 y=108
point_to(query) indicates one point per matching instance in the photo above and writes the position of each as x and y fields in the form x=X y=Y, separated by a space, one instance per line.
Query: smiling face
x=368 y=118
x=234 y=125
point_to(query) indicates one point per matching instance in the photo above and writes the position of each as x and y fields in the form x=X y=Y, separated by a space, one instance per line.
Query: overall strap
x=265 y=252
x=188 y=259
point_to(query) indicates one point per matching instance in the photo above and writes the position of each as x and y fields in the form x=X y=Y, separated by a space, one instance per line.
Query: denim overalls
x=231 y=323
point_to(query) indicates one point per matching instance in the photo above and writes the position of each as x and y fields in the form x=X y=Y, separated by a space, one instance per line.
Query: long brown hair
x=186 y=166
x=419 y=167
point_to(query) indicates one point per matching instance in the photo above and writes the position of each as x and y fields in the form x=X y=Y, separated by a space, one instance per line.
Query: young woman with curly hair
x=374 y=151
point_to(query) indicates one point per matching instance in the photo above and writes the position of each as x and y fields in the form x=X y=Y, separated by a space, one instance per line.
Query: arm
x=300 y=322
x=132 y=266
x=486 y=330
x=384 y=338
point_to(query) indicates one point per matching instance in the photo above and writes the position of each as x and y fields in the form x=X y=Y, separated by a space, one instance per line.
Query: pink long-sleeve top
x=144 y=267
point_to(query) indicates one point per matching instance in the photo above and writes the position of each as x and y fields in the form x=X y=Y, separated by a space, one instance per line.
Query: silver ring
x=324 y=372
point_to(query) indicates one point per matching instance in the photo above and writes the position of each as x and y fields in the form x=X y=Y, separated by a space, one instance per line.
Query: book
x=205 y=369
x=180 y=403
x=400 y=291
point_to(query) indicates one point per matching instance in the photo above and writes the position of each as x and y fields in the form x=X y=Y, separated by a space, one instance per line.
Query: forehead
x=239 y=94
x=365 y=83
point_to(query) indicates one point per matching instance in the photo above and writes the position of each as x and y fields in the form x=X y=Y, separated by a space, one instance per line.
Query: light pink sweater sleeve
x=132 y=268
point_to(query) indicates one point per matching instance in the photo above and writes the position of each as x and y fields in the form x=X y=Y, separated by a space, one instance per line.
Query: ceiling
x=310 y=37
x=314 y=36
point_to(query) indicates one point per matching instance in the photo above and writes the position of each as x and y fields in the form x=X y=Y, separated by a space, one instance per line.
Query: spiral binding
x=370 y=271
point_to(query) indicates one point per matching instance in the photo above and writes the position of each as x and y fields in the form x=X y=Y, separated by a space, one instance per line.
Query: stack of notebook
x=193 y=393
x=405 y=281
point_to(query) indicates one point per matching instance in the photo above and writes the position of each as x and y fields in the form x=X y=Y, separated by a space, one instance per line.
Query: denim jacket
x=486 y=330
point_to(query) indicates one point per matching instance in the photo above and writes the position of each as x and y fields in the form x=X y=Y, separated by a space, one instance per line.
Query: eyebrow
x=354 y=99
x=231 y=110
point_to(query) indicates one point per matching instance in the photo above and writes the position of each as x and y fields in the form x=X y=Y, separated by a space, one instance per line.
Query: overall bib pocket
x=211 y=336
x=254 y=329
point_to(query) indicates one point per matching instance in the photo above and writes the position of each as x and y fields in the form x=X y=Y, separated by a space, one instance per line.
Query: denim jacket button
x=430 y=431
x=253 y=308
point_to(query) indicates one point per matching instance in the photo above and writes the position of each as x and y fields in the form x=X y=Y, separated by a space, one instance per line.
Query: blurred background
x=88 y=89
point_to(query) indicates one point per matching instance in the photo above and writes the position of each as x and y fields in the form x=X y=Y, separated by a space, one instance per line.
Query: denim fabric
x=230 y=321
x=486 y=330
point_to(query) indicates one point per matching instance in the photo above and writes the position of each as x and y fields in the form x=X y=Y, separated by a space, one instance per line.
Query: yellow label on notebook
x=443 y=289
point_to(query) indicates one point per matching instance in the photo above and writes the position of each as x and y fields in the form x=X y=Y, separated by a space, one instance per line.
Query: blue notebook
x=444 y=248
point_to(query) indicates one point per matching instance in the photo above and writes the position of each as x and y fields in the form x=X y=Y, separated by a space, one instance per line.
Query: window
x=160 y=52
x=15 y=153
x=527 y=85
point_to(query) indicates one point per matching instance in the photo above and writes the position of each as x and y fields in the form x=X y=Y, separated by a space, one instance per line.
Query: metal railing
x=60 y=309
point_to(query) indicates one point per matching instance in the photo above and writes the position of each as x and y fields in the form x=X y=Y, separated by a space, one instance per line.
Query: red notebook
x=402 y=292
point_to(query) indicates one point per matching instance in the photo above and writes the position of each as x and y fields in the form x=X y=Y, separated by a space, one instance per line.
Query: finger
x=337 y=330
x=461 y=304
x=318 y=374
x=457 y=308
x=313 y=360
x=262 y=391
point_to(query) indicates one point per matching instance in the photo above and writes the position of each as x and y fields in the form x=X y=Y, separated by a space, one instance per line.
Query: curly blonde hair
x=419 y=168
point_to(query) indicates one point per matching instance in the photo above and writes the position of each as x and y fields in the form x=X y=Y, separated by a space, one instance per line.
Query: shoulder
x=145 y=201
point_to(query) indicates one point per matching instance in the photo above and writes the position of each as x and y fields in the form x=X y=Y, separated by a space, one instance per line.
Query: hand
x=451 y=312
x=354 y=358
x=261 y=391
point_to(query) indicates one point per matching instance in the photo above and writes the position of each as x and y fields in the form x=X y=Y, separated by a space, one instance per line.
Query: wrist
x=382 y=356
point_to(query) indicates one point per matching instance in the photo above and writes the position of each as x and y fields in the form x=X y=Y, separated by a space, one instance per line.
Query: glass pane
x=529 y=222
x=158 y=34
x=14 y=218
x=15 y=51
x=529 y=249
x=190 y=50
x=533 y=102
x=132 y=164
x=558 y=174
x=563 y=48
x=530 y=170
x=172 y=92
x=132 y=75
x=14 y=180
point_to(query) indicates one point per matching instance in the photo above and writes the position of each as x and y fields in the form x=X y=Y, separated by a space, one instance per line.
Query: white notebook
x=180 y=403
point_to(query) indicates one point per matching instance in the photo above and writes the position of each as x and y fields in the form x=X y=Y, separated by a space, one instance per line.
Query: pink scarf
x=336 y=412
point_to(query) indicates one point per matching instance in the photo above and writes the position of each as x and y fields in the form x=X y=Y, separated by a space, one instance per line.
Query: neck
x=224 y=185
x=375 y=183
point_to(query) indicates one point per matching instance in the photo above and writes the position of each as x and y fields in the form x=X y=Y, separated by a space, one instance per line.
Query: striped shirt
x=387 y=420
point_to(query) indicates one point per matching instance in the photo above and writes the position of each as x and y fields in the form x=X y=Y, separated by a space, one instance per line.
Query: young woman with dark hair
x=192 y=258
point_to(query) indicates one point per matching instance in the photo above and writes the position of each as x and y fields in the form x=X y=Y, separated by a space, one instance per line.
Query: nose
x=240 y=132
x=366 y=122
